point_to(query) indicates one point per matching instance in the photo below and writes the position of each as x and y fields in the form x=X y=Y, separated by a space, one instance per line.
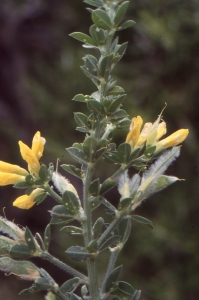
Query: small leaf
x=105 y=65
x=96 y=107
x=60 y=214
x=45 y=284
x=121 y=11
x=5 y=245
x=101 y=19
x=22 y=185
x=134 y=154
x=80 y=119
x=97 y=227
x=116 y=90
x=47 y=236
x=92 y=246
x=149 y=151
x=40 y=198
x=107 y=204
x=78 y=253
x=126 y=24
x=111 y=241
x=91 y=64
x=28 y=291
x=110 y=282
x=72 y=229
x=116 y=103
x=119 y=114
x=70 y=285
x=73 y=170
x=94 y=78
x=136 y=295
x=43 y=173
x=77 y=155
x=20 y=251
x=82 y=37
x=30 y=239
x=89 y=148
x=96 y=3
x=124 y=151
x=107 y=185
x=111 y=158
x=143 y=221
x=124 y=229
x=123 y=124
x=71 y=202
x=98 y=35
x=123 y=290
x=82 y=98
x=94 y=187
x=124 y=203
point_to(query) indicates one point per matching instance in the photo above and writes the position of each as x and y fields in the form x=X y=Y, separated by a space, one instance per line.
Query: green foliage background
x=39 y=76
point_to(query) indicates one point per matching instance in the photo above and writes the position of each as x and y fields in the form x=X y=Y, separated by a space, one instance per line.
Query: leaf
x=78 y=253
x=107 y=204
x=22 y=185
x=126 y=24
x=77 y=155
x=60 y=214
x=19 y=251
x=111 y=158
x=124 y=229
x=94 y=78
x=107 y=185
x=116 y=103
x=96 y=107
x=124 y=203
x=110 y=282
x=92 y=246
x=101 y=19
x=123 y=124
x=123 y=290
x=81 y=119
x=82 y=98
x=94 y=187
x=119 y=114
x=111 y=241
x=89 y=148
x=71 y=202
x=97 y=227
x=82 y=37
x=45 y=284
x=98 y=35
x=5 y=245
x=143 y=221
x=121 y=11
x=72 y=230
x=105 y=65
x=91 y=64
x=96 y=3
x=70 y=285
x=149 y=151
x=124 y=151
x=40 y=198
x=73 y=170
x=116 y=90
x=30 y=239
x=134 y=154
x=47 y=236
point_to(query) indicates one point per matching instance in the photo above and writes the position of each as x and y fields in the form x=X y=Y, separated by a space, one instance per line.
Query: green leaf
x=20 y=251
x=70 y=285
x=111 y=241
x=72 y=230
x=30 y=290
x=124 y=229
x=22 y=185
x=101 y=19
x=43 y=173
x=45 y=284
x=116 y=90
x=89 y=148
x=98 y=35
x=126 y=24
x=94 y=78
x=149 y=151
x=47 y=236
x=71 y=202
x=119 y=114
x=124 y=151
x=121 y=11
x=77 y=155
x=96 y=3
x=82 y=98
x=78 y=253
x=110 y=282
x=116 y=103
x=123 y=124
x=123 y=290
x=94 y=187
x=134 y=154
x=92 y=246
x=105 y=65
x=136 y=295
x=107 y=185
x=73 y=170
x=82 y=37
x=111 y=158
x=107 y=204
x=5 y=245
x=96 y=107
x=124 y=203
x=40 y=198
x=60 y=214
x=143 y=221
x=121 y=49
x=91 y=64
x=97 y=227
x=30 y=239
x=80 y=119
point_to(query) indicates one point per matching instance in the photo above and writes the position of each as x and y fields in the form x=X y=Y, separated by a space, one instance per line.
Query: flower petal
x=172 y=140
x=27 y=201
x=38 y=143
x=134 y=132
x=30 y=157
x=8 y=178
x=14 y=169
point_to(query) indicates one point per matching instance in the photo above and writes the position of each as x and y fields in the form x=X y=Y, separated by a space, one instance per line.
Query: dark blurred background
x=40 y=74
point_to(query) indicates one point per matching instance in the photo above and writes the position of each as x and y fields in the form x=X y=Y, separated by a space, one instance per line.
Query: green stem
x=53 y=194
x=63 y=266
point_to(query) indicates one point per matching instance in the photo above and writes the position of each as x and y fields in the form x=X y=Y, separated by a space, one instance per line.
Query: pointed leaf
x=70 y=285
x=73 y=170
x=78 y=253
x=116 y=103
x=77 y=155
x=112 y=279
x=111 y=241
x=121 y=11
x=43 y=173
x=71 y=202
x=123 y=290
x=96 y=3
x=107 y=185
x=60 y=214
x=119 y=114
x=30 y=239
x=72 y=229
x=94 y=187
x=89 y=148
x=82 y=37
x=40 y=198
x=105 y=65
x=116 y=90
x=124 y=229
x=97 y=34
x=111 y=158
x=20 y=251
x=123 y=124
x=96 y=107
x=47 y=236
x=101 y=19
x=143 y=221
x=97 y=227
x=124 y=203
x=124 y=151
x=82 y=98
x=80 y=119
x=126 y=24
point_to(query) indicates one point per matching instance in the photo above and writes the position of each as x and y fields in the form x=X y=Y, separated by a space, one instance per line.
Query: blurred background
x=40 y=74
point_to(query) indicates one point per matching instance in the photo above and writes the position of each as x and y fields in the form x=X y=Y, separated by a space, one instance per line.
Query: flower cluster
x=12 y=174
x=151 y=135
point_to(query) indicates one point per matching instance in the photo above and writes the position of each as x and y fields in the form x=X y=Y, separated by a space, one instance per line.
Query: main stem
x=88 y=235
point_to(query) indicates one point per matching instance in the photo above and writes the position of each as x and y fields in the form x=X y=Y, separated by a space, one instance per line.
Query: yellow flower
x=134 y=132
x=8 y=178
x=27 y=201
x=172 y=140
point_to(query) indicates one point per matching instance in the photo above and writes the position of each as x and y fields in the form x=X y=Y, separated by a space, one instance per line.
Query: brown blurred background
x=40 y=74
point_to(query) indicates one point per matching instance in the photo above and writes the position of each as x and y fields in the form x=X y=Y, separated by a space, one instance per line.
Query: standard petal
x=14 y=169
x=172 y=140
x=30 y=157
x=134 y=132
x=8 y=178
x=38 y=143
x=27 y=201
